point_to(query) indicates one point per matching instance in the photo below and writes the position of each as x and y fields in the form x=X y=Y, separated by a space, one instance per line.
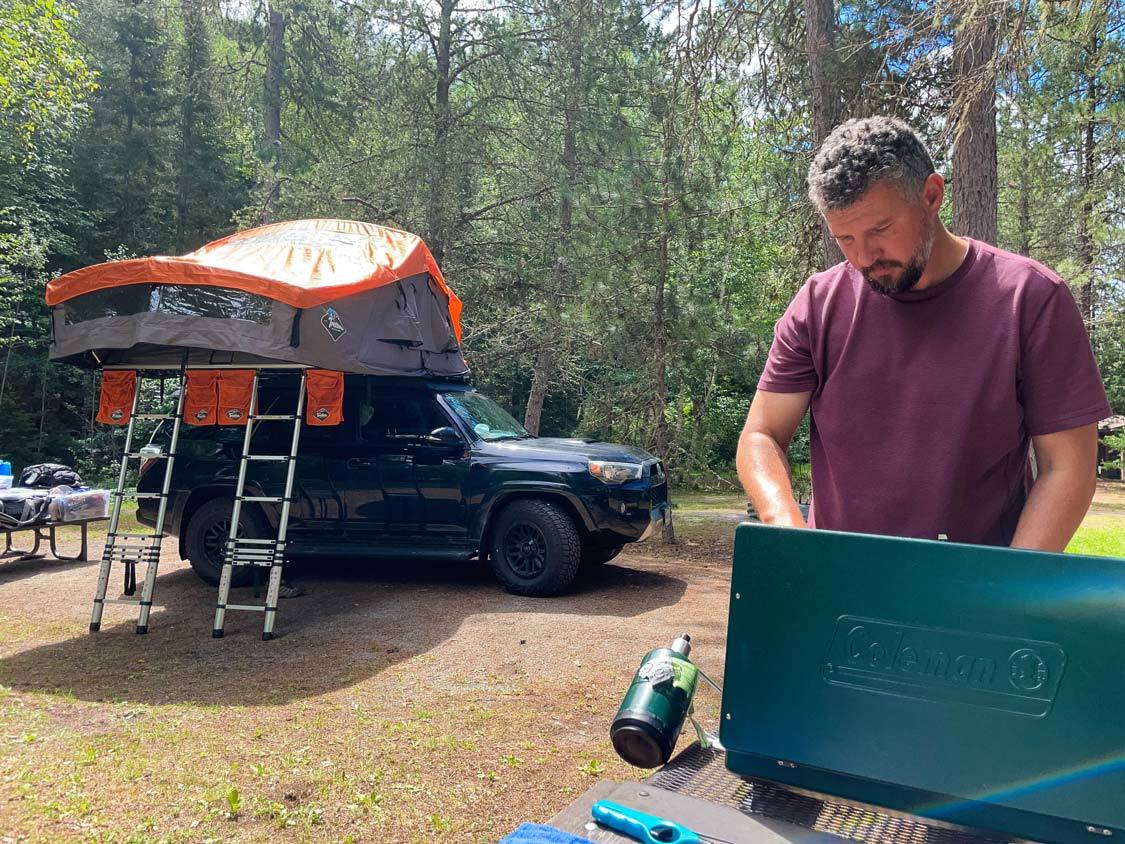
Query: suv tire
x=535 y=548
x=597 y=555
x=207 y=533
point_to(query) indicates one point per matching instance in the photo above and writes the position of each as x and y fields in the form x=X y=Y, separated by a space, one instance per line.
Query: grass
x=1100 y=535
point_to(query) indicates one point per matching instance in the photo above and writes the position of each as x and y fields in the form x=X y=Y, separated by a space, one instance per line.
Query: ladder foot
x=95 y=627
x=142 y=629
x=217 y=633
x=266 y=637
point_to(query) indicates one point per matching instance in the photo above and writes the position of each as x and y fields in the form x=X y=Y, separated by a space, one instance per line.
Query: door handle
x=362 y=463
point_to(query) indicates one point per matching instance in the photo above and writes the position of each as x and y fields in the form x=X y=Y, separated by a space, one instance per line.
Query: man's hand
x=1063 y=489
x=763 y=467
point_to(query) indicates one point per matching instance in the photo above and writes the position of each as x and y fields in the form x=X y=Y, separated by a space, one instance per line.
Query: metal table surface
x=696 y=789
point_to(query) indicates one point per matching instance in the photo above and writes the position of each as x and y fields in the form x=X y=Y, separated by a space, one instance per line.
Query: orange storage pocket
x=201 y=400
x=324 y=403
x=236 y=388
x=115 y=406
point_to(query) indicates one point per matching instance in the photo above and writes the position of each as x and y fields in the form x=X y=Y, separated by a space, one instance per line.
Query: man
x=929 y=361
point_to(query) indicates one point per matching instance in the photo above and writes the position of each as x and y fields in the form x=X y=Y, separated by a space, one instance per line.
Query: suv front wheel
x=535 y=548
x=207 y=533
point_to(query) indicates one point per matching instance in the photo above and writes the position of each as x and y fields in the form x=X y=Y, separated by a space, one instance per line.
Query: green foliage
x=42 y=76
x=1115 y=443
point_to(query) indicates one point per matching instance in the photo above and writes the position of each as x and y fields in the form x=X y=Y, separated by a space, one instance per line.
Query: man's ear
x=933 y=192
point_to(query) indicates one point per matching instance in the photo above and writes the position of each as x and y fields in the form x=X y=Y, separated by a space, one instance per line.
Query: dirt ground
x=397 y=703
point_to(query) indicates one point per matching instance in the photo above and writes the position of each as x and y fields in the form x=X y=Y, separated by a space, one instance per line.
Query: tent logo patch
x=201 y=414
x=234 y=413
x=333 y=324
x=321 y=413
x=117 y=415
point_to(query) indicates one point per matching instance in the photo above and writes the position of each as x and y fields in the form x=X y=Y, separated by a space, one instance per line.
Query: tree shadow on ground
x=354 y=621
x=13 y=569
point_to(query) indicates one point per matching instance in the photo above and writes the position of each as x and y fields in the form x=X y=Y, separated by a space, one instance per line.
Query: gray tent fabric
x=402 y=328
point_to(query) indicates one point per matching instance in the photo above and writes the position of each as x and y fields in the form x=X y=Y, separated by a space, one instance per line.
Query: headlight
x=609 y=472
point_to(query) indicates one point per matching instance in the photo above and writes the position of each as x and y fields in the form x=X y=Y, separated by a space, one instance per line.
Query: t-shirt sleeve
x=1059 y=385
x=789 y=367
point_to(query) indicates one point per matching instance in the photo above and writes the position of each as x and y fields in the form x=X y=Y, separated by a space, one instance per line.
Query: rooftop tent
x=335 y=294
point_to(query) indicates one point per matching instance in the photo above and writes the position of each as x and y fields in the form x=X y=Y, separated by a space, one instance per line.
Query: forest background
x=615 y=188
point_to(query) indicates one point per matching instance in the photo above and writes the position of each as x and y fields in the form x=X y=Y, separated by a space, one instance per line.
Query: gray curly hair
x=862 y=151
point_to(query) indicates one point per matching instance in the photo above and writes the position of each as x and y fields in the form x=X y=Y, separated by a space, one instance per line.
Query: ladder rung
x=270 y=458
x=155 y=536
x=148 y=556
x=243 y=540
x=273 y=499
x=275 y=417
x=257 y=552
x=136 y=454
x=123 y=547
x=250 y=607
x=129 y=494
x=121 y=600
x=269 y=546
x=252 y=549
x=154 y=416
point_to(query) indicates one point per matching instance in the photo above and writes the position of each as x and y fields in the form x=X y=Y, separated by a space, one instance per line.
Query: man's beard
x=911 y=270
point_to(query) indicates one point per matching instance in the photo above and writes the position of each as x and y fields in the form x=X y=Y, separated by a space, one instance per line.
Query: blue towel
x=537 y=833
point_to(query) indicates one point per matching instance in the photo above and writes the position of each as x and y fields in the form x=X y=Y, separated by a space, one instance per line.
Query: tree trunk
x=974 y=148
x=7 y=360
x=42 y=408
x=275 y=73
x=1025 y=190
x=193 y=33
x=820 y=40
x=542 y=374
x=546 y=362
x=660 y=356
x=660 y=351
x=439 y=178
x=1088 y=174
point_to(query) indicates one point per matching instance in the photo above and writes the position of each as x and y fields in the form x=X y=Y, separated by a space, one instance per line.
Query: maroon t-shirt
x=923 y=403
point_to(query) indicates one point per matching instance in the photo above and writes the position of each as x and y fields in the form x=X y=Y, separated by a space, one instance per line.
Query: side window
x=401 y=418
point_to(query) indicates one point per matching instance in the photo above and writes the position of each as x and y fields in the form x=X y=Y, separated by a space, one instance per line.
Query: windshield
x=488 y=419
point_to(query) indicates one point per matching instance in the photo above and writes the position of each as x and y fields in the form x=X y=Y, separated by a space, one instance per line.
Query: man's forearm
x=1055 y=507
x=764 y=472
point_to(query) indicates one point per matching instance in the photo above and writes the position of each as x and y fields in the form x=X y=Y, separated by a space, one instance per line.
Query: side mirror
x=445 y=436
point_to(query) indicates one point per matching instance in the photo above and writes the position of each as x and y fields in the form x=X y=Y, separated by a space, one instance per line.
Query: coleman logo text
x=940 y=664
x=896 y=654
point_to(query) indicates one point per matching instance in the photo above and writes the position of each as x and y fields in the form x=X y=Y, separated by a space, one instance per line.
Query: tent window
x=185 y=300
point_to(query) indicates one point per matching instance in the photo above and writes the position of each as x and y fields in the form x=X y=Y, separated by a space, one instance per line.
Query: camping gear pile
x=316 y=297
x=50 y=492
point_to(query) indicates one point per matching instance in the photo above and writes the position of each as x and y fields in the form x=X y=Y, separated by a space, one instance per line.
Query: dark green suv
x=419 y=469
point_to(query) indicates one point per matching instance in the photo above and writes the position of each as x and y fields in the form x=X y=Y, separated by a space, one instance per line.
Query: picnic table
x=45 y=531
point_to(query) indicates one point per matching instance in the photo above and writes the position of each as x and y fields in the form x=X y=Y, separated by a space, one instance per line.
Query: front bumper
x=661 y=515
x=632 y=511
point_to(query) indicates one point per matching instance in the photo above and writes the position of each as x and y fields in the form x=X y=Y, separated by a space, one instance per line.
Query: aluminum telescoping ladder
x=133 y=548
x=253 y=551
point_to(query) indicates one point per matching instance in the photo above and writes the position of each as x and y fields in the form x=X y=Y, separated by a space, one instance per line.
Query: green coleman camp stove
x=983 y=686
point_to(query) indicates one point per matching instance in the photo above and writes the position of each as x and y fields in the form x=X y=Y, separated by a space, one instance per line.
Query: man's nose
x=867 y=252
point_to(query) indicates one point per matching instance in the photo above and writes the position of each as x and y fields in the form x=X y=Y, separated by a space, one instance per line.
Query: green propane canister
x=648 y=723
